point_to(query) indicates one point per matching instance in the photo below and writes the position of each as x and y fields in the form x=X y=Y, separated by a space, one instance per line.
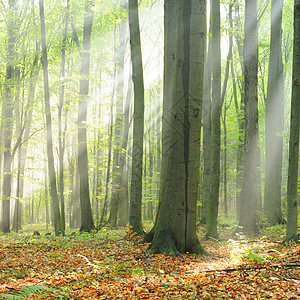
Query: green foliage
x=252 y=254
x=28 y=291
x=276 y=233
x=137 y=271
x=261 y=219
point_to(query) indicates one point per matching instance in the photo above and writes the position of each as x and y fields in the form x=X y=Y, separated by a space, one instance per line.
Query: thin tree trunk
x=145 y=183
x=22 y=149
x=71 y=160
x=119 y=124
x=104 y=210
x=53 y=188
x=225 y=162
x=32 y=221
x=249 y=189
x=239 y=111
x=123 y=203
x=239 y=165
x=98 y=179
x=274 y=120
x=206 y=122
x=211 y=228
x=61 y=136
x=135 y=216
x=87 y=223
x=158 y=138
x=17 y=113
x=7 y=118
x=47 y=202
x=150 y=167
x=25 y=127
x=224 y=89
x=293 y=174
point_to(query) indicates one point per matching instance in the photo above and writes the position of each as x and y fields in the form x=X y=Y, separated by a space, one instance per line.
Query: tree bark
x=7 y=118
x=135 y=214
x=239 y=110
x=293 y=174
x=108 y=171
x=158 y=137
x=274 y=120
x=53 y=188
x=211 y=228
x=22 y=149
x=61 y=134
x=249 y=188
x=87 y=223
x=123 y=201
x=206 y=122
x=175 y=226
x=119 y=125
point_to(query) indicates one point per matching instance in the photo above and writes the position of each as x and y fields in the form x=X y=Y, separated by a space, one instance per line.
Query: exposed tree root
x=294 y=238
x=213 y=238
x=196 y=248
x=148 y=237
x=165 y=243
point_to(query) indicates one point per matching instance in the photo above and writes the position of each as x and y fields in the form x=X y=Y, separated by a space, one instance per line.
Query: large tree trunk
x=175 y=225
x=292 y=189
x=87 y=223
x=211 y=228
x=249 y=189
x=135 y=214
x=274 y=120
x=53 y=188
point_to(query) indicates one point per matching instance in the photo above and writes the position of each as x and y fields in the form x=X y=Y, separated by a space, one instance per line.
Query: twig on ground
x=253 y=268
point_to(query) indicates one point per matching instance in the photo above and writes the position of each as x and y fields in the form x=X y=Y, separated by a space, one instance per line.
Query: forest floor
x=111 y=265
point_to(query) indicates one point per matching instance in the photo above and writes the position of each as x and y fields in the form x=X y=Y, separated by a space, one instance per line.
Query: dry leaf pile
x=111 y=265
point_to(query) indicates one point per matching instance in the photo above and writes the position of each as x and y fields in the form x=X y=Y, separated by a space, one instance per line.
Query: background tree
x=7 y=115
x=87 y=223
x=274 y=120
x=215 y=143
x=206 y=121
x=292 y=188
x=119 y=126
x=61 y=132
x=53 y=187
x=104 y=132
x=249 y=189
x=238 y=84
x=135 y=214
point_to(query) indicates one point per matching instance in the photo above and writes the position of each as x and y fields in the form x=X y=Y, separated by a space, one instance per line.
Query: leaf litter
x=112 y=265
